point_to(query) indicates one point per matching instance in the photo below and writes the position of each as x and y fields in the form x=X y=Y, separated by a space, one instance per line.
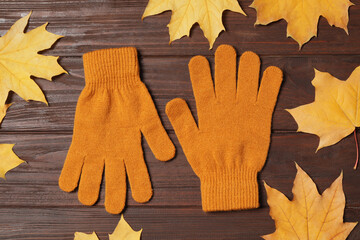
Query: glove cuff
x=112 y=67
x=229 y=190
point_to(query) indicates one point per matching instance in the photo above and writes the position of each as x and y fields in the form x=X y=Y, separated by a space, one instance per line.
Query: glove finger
x=202 y=84
x=158 y=140
x=185 y=128
x=139 y=178
x=270 y=86
x=225 y=73
x=90 y=180
x=183 y=122
x=115 y=185
x=154 y=132
x=248 y=77
x=70 y=174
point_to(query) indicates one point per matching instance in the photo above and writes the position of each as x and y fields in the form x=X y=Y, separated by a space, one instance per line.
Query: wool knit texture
x=229 y=145
x=113 y=110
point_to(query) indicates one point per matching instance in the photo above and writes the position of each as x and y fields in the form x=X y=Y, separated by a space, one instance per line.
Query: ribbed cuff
x=114 y=67
x=230 y=190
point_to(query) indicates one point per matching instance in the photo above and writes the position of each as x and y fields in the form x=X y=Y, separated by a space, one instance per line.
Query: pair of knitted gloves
x=226 y=149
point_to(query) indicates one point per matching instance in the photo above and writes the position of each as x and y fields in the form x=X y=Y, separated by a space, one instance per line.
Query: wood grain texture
x=33 y=207
x=45 y=155
x=158 y=223
x=96 y=24
x=167 y=78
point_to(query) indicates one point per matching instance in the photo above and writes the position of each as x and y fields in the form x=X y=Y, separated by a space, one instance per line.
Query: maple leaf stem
x=357 y=150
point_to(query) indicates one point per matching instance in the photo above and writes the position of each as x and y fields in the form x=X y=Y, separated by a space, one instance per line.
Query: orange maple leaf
x=302 y=16
x=309 y=216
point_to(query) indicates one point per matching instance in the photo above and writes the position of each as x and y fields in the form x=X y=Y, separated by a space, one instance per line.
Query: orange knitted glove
x=113 y=110
x=230 y=144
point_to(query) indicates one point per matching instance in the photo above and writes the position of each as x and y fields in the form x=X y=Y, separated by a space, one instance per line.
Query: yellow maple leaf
x=3 y=108
x=309 y=215
x=335 y=112
x=185 y=13
x=302 y=16
x=19 y=60
x=123 y=231
x=8 y=159
x=84 y=236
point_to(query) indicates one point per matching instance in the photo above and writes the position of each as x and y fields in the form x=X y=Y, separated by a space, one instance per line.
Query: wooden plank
x=33 y=207
x=168 y=78
x=157 y=223
x=174 y=183
x=96 y=24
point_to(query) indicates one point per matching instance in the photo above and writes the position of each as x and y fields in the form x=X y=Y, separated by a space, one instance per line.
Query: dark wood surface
x=33 y=207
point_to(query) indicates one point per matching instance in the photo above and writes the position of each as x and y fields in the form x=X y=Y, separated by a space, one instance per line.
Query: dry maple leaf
x=303 y=16
x=185 y=13
x=8 y=160
x=123 y=231
x=84 y=236
x=335 y=112
x=19 y=60
x=309 y=216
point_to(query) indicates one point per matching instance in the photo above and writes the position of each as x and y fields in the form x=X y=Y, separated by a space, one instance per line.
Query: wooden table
x=33 y=207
